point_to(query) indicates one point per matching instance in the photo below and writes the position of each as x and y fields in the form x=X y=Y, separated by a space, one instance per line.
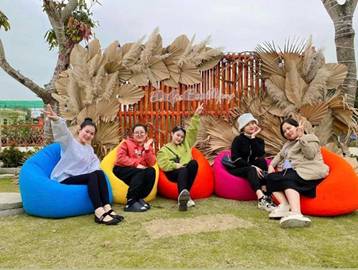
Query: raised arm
x=60 y=131
x=192 y=130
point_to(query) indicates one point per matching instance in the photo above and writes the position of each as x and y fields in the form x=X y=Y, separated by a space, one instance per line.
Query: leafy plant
x=78 y=26
x=4 y=22
x=11 y=157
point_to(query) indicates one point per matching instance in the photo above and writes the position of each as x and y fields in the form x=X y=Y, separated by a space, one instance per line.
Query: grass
x=80 y=243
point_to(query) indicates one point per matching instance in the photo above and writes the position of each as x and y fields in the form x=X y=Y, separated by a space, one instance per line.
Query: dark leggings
x=140 y=181
x=184 y=177
x=250 y=173
x=96 y=186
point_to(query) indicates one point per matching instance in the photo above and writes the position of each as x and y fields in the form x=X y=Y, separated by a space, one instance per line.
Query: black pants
x=289 y=179
x=184 y=177
x=96 y=185
x=250 y=173
x=140 y=181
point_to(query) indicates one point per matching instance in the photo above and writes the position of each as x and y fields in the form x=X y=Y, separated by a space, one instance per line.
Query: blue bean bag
x=44 y=197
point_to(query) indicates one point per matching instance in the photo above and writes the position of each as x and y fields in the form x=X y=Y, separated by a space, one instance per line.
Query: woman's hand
x=300 y=130
x=178 y=165
x=140 y=166
x=147 y=144
x=271 y=169
x=50 y=113
x=259 y=171
x=200 y=108
x=257 y=131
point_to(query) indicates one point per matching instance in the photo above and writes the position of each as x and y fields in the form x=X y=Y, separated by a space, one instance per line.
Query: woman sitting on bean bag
x=134 y=166
x=79 y=165
x=301 y=169
x=176 y=161
x=248 y=152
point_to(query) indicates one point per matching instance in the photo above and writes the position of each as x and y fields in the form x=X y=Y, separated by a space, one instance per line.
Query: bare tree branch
x=69 y=8
x=55 y=18
x=35 y=88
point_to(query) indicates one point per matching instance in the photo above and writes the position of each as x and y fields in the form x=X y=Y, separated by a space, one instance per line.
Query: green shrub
x=12 y=157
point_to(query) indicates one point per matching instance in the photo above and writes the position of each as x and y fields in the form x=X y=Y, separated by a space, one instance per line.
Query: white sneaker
x=183 y=199
x=294 y=220
x=190 y=203
x=266 y=203
x=280 y=211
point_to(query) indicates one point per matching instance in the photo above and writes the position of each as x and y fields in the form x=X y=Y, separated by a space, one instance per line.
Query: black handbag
x=227 y=162
x=176 y=159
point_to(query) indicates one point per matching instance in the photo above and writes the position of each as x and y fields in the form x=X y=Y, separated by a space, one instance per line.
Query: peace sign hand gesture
x=50 y=113
x=200 y=108
x=147 y=144
x=300 y=130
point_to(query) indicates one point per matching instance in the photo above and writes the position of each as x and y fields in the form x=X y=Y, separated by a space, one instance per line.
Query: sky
x=234 y=26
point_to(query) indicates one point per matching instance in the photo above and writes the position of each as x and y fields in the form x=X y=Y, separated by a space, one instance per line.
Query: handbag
x=176 y=159
x=227 y=162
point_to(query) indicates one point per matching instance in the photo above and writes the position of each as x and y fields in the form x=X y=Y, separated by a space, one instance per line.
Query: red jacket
x=130 y=154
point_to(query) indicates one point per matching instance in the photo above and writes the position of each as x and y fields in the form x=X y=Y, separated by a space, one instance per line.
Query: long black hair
x=88 y=122
x=177 y=128
x=290 y=121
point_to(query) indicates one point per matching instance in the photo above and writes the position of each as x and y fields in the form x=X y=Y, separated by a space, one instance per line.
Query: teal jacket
x=165 y=156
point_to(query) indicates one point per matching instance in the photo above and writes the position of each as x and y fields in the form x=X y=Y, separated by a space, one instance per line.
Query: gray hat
x=244 y=119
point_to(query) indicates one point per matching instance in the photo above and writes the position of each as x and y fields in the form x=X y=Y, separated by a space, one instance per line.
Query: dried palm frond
x=109 y=85
x=324 y=131
x=277 y=95
x=317 y=88
x=128 y=94
x=312 y=61
x=215 y=135
x=78 y=55
x=94 y=48
x=271 y=59
x=107 y=137
x=294 y=84
x=338 y=73
x=133 y=54
x=152 y=47
x=107 y=110
x=314 y=113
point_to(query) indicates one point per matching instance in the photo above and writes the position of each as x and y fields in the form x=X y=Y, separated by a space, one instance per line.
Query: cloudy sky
x=234 y=25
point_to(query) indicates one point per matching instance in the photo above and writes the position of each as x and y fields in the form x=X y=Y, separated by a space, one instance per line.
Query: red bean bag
x=337 y=194
x=203 y=185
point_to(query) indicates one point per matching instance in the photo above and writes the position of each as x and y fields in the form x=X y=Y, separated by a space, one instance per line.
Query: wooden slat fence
x=221 y=89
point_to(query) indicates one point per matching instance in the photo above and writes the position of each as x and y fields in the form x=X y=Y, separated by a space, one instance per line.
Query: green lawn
x=80 y=243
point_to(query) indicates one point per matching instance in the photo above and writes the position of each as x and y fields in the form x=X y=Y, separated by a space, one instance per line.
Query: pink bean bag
x=229 y=186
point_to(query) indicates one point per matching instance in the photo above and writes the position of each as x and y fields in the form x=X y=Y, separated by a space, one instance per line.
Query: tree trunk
x=342 y=16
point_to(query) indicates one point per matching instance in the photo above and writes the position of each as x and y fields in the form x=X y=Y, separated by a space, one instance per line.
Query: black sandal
x=100 y=220
x=115 y=216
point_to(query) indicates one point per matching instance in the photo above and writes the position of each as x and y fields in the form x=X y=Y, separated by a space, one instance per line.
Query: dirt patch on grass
x=177 y=226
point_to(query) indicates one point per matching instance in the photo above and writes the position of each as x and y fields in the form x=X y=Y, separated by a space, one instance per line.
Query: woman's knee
x=193 y=163
x=150 y=171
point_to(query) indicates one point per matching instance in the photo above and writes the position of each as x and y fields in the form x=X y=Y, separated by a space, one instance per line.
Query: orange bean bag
x=203 y=185
x=337 y=194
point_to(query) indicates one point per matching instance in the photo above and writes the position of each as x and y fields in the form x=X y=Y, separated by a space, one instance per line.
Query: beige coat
x=305 y=157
